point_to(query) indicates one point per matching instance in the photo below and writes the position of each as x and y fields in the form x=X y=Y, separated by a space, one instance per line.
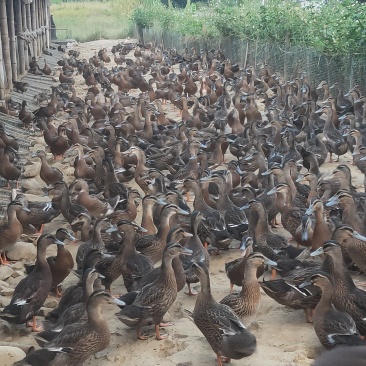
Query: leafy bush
x=335 y=27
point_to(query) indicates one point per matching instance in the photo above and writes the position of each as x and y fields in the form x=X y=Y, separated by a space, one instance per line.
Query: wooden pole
x=34 y=27
x=25 y=27
x=19 y=30
x=2 y=72
x=48 y=22
x=13 y=46
x=5 y=44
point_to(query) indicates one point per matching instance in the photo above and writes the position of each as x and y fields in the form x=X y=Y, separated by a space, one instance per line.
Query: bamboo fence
x=24 y=33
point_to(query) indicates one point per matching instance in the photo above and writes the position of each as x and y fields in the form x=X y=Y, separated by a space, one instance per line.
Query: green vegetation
x=90 y=20
x=336 y=27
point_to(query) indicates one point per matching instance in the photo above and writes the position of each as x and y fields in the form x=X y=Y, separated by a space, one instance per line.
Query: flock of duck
x=118 y=135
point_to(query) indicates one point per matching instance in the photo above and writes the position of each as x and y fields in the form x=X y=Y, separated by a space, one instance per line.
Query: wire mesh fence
x=288 y=60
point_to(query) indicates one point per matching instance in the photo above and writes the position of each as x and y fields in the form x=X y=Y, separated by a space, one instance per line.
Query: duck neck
x=166 y=275
x=205 y=296
x=164 y=226
x=325 y=302
x=95 y=316
x=147 y=221
x=250 y=276
x=128 y=245
x=88 y=290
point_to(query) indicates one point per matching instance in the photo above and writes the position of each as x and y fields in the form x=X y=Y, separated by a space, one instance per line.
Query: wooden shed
x=24 y=32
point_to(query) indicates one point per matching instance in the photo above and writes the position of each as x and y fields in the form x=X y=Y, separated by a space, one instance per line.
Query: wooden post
x=25 y=27
x=2 y=72
x=13 y=50
x=5 y=44
x=48 y=22
x=19 y=30
x=34 y=27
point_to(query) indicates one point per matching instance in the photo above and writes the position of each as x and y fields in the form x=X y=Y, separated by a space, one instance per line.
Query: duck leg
x=274 y=274
x=190 y=291
x=167 y=324
x=141 y=335
x=58 y=292
x=40 y=231
x=33 y=324
x=159 y=336
x=188 y=197
x=330 y=158
x=231 y=287
x=3 y=259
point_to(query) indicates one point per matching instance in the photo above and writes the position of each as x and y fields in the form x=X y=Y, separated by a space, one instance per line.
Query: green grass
x=91 y=20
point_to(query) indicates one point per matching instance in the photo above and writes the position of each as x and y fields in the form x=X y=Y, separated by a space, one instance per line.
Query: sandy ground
x=283 y=337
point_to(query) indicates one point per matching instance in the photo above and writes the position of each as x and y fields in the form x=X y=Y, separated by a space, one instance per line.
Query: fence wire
x=290 y=61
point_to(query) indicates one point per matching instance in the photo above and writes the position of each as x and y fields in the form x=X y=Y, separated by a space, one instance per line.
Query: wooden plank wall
x=24 y=33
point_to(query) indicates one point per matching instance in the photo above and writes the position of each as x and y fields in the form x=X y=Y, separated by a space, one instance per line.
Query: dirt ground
x=283 y=336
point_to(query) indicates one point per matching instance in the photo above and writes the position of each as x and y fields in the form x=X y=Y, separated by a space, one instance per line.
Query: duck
x=153 y=245
x=61 y=264
x=31 y=292
x=155 y=299
x=199 y=252
x=75 y=312
x=70 y=211
x=78 y=341
x=50 y=175
x=74 y=294
x=96 y=207
x=95 y=242
x=24 y=116
x=235 y=269
x=11 y=233
x=39 y=214
x=346 y=296
x=127 y=262
x=342 y=355
x=8 y=170
x=222 y=328
x=333 y=327
x=246 y=302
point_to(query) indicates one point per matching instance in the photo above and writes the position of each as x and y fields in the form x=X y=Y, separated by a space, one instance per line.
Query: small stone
x=4 y=301
x=31 y=171
x=16 y=274
x=5 y=272
x=3 y=284
x=31 y=184
x=50 y=303
x=14 y=281
x=17 y=266
x=9 y=355
x=22 y=250
x=7 y=292
x=8 y=339
x=36 y=192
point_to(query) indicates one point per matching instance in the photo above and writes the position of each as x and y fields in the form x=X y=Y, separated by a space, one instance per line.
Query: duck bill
x=112 y=229
x=71 y=237
x=26 y=209
x=305 y=284
x=183 y=213
x=358 y=236
x=141 y=229
x=317 y=252
x=267 y=172
x=269 y=262
x=309 y=211
x=187 y=235
x=272 y=191
x=101 y=276
x=186 y=251
x=299 y=179
x=58 y=242
x=118 y=302
x=305 y=235
x=245 y=207
x=332 y=202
